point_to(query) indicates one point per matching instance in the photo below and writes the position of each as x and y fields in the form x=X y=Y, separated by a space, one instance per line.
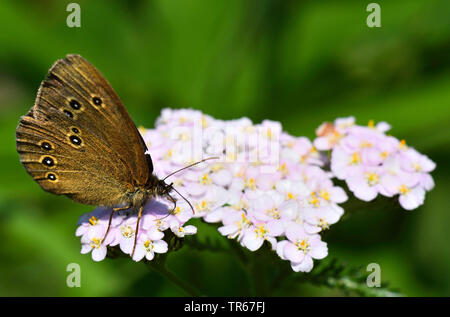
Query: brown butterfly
x=78 y=140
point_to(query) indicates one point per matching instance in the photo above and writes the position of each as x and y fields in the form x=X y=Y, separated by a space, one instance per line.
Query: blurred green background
x=297 y=62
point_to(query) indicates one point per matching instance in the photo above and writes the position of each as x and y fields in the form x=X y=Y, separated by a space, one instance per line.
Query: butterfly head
x=163 y=189
x=158 y=187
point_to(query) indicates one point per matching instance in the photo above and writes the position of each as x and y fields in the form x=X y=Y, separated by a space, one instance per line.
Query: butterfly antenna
x=190 y=205
x=206 y=159
x=164 y=216
x=171 y=198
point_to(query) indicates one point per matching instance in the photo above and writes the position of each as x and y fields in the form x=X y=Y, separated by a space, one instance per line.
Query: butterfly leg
x=171 y=212
x=174 y=201
x=110 y=219
x=137 y=230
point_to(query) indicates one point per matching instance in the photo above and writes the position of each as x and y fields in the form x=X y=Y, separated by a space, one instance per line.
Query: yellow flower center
x=261 y=231
x=365 y=144
x=240 y=205
x=244 y=222
x=324 y=194
x=168 y=155
x=314 y=201
x=127 y=231
x=250 y=183
x=202 y=206
x=289 y=196
x=205 y=179
x=159 y=223
x=403 y=189
x=245 y=219
x=283 y=169
x=95 y=243
x=148 y=245
x=356 y=158
x=303 y=245
x=274 y=213
x=323 y=224
x=371 y=124
x=372 y=178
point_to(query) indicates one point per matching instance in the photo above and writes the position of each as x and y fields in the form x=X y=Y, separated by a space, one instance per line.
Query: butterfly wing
x=78 y=139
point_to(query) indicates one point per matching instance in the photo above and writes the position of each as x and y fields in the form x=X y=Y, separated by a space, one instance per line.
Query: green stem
x=184 y=286
x=247 y=265
x=280 y=279
x=258 y=274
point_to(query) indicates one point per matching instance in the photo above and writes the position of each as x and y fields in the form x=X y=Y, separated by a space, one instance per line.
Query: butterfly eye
x=75 y=140
x=46 y=146
x=75 y=105
x=97 y=101
x=48 y=161
x=68 y=113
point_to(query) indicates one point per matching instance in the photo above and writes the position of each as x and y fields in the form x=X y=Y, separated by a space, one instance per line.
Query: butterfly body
x=153 y=189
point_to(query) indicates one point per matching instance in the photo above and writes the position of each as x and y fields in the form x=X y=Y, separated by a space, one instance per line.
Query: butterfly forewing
x=78 y=139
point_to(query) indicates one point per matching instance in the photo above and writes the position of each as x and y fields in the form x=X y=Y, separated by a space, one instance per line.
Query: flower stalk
x=184 y=286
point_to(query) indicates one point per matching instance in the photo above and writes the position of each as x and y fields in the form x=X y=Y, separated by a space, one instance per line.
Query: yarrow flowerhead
x=264 y=180
x=154 y=222
x=264 y=184
x=373 y=163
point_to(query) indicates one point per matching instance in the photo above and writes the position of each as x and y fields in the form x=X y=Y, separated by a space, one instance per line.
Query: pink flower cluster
x=266 y=185
x=154 y=221
x=262 y=185
x=373 y=163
